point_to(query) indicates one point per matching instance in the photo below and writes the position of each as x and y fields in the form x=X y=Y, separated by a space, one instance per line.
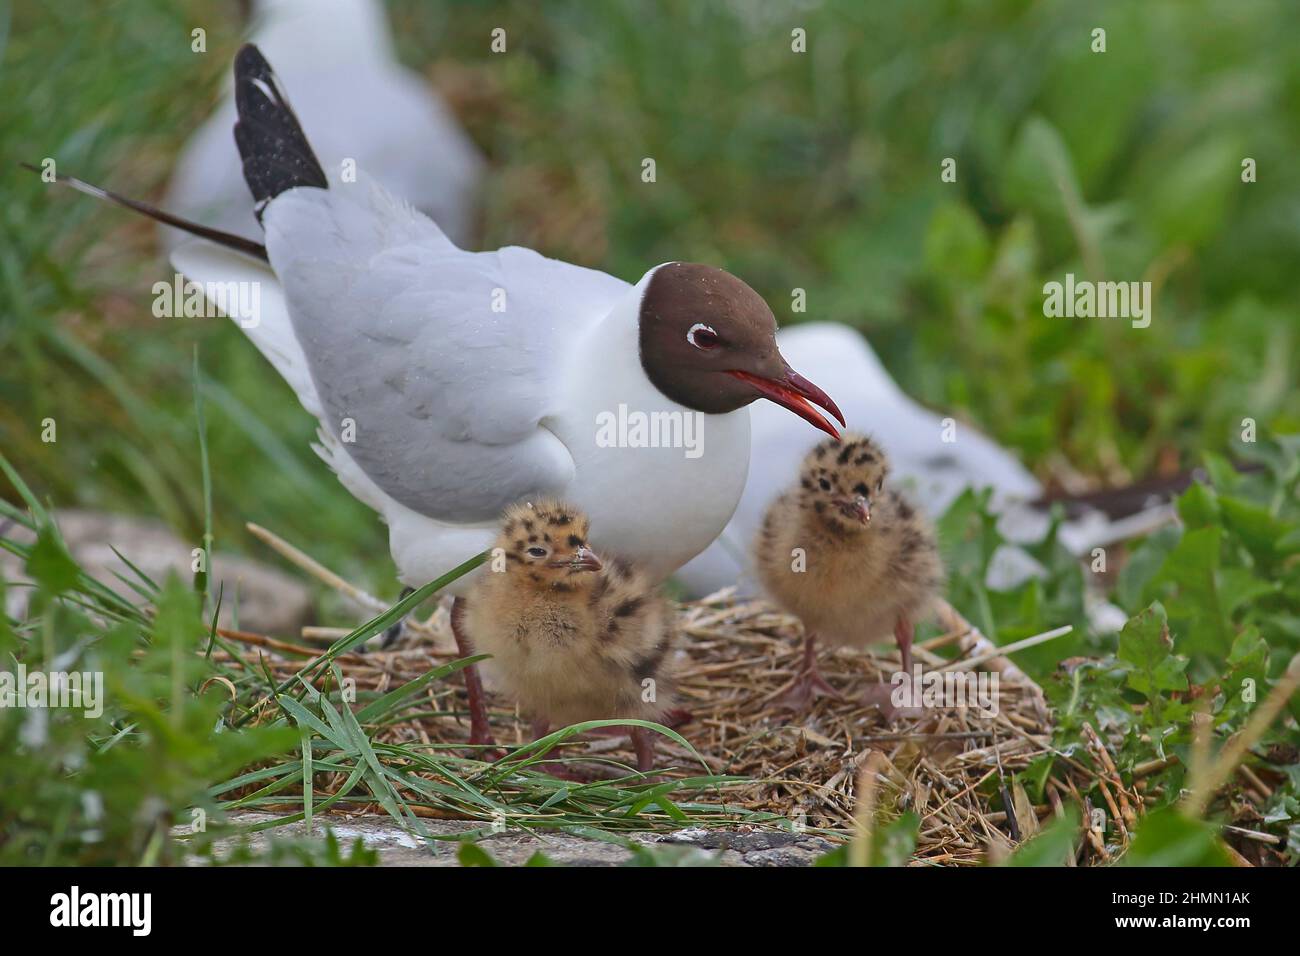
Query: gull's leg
x=479 y=730
x=808 y=684
x=395 y=631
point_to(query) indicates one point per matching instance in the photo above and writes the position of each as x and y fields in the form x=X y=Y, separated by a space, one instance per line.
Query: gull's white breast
x=657 y=506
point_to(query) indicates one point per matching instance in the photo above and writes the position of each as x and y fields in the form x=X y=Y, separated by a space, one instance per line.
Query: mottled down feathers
x=847 y=576
x=568 y=641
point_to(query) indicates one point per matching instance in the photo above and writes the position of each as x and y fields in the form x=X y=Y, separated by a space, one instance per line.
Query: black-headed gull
x=452 y=384
x=338 y=58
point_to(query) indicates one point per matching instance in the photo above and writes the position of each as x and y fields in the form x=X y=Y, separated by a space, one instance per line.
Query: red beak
x=797 y=394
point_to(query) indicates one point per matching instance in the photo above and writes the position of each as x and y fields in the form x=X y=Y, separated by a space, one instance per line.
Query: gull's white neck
x=658 y=506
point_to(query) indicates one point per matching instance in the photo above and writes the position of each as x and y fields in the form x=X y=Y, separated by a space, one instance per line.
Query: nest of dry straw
x=953 y=766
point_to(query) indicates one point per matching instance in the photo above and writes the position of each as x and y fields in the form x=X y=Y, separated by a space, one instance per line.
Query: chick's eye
x=825 y=485
x=537 y=552
x=880 y=484
x=702 y=337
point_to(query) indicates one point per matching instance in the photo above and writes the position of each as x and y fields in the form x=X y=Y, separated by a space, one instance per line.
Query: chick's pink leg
x=644 y=746
x=881 y=695
x=479 y=730
x=903 y=633
x=808 y=684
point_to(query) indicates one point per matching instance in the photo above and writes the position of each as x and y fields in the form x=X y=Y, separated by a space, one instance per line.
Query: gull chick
x=854 y=560
x=572 y=638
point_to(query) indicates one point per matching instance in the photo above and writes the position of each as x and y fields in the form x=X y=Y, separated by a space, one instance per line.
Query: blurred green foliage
x=1215 y=603
x=109 y=788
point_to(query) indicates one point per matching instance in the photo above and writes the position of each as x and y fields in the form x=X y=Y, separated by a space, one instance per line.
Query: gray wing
x=434 y=366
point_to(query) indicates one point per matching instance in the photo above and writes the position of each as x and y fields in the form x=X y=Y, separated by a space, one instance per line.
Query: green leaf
x=896 y=842
x=1040 y=173
x=1223 y=476
x=1198 y=506
x=49 y=563
x=1255 y=525
x=1209 y=170
x=1191 y=570
x=672 y=854
x=1248 y=667
x=893 y=844
x=1146 y=645
x=956 y=247
x=1034 y=777
x=1142 y=567
x=1165 y=837
x=1241 y=587
x=1052 y=847
x=380 y=706
x=471 y=854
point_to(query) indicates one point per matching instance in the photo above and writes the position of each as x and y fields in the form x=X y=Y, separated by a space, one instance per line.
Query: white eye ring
x=695 y=330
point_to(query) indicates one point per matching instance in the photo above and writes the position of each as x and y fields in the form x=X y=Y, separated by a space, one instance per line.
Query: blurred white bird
x=359 y=102
x=934 y=471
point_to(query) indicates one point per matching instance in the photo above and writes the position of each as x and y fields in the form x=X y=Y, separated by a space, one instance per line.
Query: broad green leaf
x=49 y=563
x=1051 y=847
x=1146 y=645
x=1165 y=837
x=1191 y=570
x=471 y=854
x=1198 y=506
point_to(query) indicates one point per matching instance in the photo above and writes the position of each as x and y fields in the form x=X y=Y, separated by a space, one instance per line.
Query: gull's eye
x=825 y=485
x=702 y=337
x=880 y=484
x=537 y=552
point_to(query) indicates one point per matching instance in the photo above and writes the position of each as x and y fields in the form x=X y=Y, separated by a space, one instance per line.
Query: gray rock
x=514 y=847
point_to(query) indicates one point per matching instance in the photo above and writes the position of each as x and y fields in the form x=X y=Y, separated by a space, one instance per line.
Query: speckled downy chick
x=849 y=556
x=572 y=637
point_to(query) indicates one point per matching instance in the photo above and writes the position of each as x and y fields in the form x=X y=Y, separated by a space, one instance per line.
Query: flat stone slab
x=514 y=847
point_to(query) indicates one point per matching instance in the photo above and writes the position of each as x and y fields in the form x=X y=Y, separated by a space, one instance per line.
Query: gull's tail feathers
x=272 y=145
x=228 y=239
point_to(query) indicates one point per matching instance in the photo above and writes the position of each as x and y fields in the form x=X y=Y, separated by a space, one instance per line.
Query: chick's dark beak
x=796 y=393
x=857 y=508
x=584 y=559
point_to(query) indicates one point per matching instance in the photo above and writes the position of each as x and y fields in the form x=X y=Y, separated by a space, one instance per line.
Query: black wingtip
x=231 y=241
x=272 y=145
